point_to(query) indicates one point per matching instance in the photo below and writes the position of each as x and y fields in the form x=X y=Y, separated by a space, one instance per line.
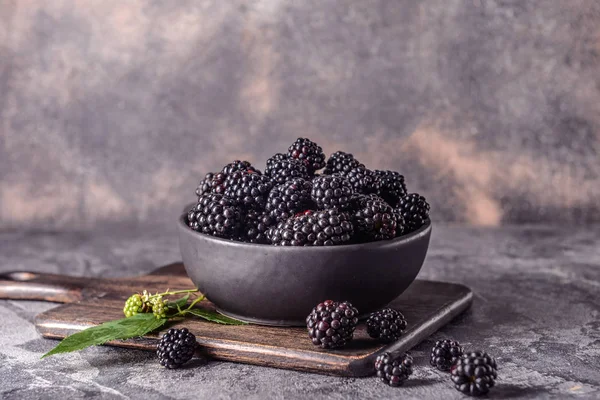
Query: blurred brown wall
x=112 y=110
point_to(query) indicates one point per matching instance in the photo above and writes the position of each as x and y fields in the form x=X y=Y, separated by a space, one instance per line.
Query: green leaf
x=126 y=328
x=180 y=303
x=214 y=316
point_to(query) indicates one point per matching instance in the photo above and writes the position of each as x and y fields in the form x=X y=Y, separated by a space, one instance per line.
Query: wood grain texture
x=427 y=306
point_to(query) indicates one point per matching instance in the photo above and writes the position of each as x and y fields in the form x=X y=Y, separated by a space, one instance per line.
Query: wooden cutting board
x=427 y=306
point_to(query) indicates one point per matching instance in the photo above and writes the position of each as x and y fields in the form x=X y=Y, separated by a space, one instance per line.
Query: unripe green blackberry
x=134 y=305
x=159 y=307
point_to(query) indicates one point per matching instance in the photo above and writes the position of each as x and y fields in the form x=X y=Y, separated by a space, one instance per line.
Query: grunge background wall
x=112 y=111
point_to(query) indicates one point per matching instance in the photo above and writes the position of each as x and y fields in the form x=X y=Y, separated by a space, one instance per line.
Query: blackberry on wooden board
x=308 y=152
x=331 y=324
x=341 y=162
x=387 y=325
x=176 y=347
x=394 y=368
x=474 y=373
x=216 y=215
x=331 y=191
x=287 y=199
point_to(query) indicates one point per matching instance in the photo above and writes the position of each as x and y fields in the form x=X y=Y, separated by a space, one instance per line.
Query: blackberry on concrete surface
x=445 y=353
x=216 y=216
x=331 y=191
x=287 y=199
x=176 y=347
x=238 y=165
x=362 y=180
x=376 y=220
x=256 y=225
x=390 y=186
x=248 y=189
x=341 y=162
x=213 y=182
x=320 y=228
x=386 y=325
x=415 y=211
x=474 y=373
x=308 y=152
x=394 y=368
x=288 y=168
x=331 y=324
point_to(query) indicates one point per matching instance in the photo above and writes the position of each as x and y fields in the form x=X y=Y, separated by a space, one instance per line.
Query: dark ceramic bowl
x=274 y=285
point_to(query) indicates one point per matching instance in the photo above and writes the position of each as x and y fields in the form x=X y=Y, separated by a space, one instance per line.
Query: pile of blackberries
x=293 y=204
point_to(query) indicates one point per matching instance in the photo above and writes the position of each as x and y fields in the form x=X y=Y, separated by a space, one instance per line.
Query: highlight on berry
x=240 y=203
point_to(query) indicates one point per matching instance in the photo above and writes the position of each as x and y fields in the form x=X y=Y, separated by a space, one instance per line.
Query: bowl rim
x=410 y=237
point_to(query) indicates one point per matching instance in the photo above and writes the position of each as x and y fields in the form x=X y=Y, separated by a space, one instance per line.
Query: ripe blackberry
x=386 y=325
x=400 y=223
x=248 y=189
x=331 y=324
x=376 y=220
x=308 y=152
x=445 y=353
x=393 y=368
x=286 y=169
x=362 y=180
x=474 y=373
x=238 y=165
x=323 y=228
x=341 y=162
x=359 y=200
x=415 y=211
x=213 y=182
x=176 y=347
x=257 y=223
x=390 y=186
x=289 y=198
x=331 y=191
x=216 y=216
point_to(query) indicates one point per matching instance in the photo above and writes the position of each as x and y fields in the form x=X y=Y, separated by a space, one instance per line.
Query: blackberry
x=445 y=353
x=308 y=152
x=400 y=223
x=341 y=162
x=238 y=165
x=331 y=324
x=331 y=191
x=474 y=373
x=323 y=228
x=257 y=224
x=386 y=325
x=216 y=216
x=362 y=180
x=159 y=307
x=393 y=368
x=248 y=189
x=289 y=198
x=359 y=200
x=390 y=186
x=213 y=182
x=134 y=305
x=415 y=211
x=376 y=220
x=286 y=169
x=176 y=347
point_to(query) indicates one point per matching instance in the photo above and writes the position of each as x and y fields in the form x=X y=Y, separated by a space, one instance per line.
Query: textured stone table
x=536 y=309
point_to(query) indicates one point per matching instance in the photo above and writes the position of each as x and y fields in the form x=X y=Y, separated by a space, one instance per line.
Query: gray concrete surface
x=536 y=309
x=113 y=110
